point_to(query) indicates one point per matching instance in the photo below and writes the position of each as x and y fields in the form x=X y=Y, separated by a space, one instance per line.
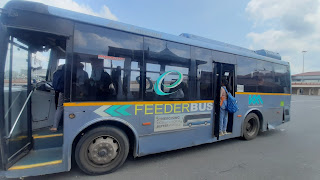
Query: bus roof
x=183 y=38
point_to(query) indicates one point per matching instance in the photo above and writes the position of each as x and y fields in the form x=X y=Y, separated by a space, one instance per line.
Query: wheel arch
x=123 y=125
x=259 y=114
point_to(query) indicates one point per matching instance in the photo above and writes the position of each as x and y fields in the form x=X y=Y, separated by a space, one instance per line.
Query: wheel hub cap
x=249 y=126
x=103 y=150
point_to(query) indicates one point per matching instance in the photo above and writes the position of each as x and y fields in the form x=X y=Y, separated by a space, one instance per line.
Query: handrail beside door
x=19 y=115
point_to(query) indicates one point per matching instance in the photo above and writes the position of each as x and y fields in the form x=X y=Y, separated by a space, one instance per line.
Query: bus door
x=223 y=71
x=15 y=121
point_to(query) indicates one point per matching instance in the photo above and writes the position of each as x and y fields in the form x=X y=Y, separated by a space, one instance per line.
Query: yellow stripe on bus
x=159 y=102
x=46 y=136
x=35 y=165
x=136 y=102
x=277 y=94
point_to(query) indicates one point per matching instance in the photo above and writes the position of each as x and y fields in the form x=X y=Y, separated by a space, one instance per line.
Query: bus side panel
x=243 y=111
x=167 y=141
x=86 y=116
x=287 y=107
x=160 y=127
x=156 y=142
x=271 y=107
x=172 y=140
x=175 y=125
x=279 y=110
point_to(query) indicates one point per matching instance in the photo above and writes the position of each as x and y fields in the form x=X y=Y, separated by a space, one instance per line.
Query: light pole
x=303 y=52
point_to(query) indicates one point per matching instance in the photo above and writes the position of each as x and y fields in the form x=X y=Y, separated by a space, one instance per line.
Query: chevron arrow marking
x=122 y=111
x=101 y=111
x=112 y=109
x=115 y=110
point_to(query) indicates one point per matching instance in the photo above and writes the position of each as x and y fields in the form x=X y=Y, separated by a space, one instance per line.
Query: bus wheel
x=102 y=150
x=251 y=126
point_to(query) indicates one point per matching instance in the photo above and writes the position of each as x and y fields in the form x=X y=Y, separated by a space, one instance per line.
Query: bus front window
x=39 y=63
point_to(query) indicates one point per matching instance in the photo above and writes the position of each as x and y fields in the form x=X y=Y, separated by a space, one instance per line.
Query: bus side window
x=80 y=78
x=247 y=74
x=116 y=59
x=168 y=68
x=180 y=92
x=204 y=69
x=265 y=77
x=152 y=74
x=282 y=83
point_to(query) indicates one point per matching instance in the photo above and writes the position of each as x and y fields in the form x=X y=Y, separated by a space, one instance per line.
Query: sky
x=287 y=26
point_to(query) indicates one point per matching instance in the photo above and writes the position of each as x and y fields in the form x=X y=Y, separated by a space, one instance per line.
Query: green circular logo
x=159 y=82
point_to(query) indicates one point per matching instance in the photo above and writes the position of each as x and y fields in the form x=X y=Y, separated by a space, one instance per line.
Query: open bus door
x=226 y=71
x=15 y=106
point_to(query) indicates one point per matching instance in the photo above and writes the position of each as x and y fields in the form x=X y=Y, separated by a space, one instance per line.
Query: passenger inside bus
x=117 y=83
x=100 y=81
x=81 y=80
x=180 y=92
x=58 y=85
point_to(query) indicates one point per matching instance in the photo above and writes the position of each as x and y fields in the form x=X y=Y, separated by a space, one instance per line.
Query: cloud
x=104 y=12
x=270 y=9
x=93 y=40
x=288 y=27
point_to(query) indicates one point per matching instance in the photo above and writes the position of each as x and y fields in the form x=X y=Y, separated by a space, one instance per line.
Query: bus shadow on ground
x=270 y=133
x=200 y=148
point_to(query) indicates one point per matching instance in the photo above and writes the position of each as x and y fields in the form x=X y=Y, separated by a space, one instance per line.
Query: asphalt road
x=292 y=151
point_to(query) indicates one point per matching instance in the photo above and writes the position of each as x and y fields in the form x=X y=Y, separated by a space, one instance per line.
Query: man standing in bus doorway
x=58 y=85
x=223 y=106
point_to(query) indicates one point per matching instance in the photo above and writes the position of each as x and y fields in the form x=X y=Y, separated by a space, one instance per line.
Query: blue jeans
x=223 y=119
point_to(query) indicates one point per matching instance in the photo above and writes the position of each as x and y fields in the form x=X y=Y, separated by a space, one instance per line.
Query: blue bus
x=128 y=91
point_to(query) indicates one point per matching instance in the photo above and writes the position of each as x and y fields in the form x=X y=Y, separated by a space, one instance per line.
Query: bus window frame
x=4 y=41
x=68 y=69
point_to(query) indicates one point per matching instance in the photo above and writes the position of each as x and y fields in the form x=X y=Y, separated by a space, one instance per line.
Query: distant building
x=39 y=74
x=307 y=83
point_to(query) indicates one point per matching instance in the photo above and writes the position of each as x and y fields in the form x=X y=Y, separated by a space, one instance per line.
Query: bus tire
x=251 y=126
x=102 y=150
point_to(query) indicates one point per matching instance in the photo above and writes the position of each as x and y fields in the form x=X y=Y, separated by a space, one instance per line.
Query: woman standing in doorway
x=223 y=106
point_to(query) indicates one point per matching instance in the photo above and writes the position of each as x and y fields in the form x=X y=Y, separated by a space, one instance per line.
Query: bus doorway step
x=44 y=139
x=37 y=162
